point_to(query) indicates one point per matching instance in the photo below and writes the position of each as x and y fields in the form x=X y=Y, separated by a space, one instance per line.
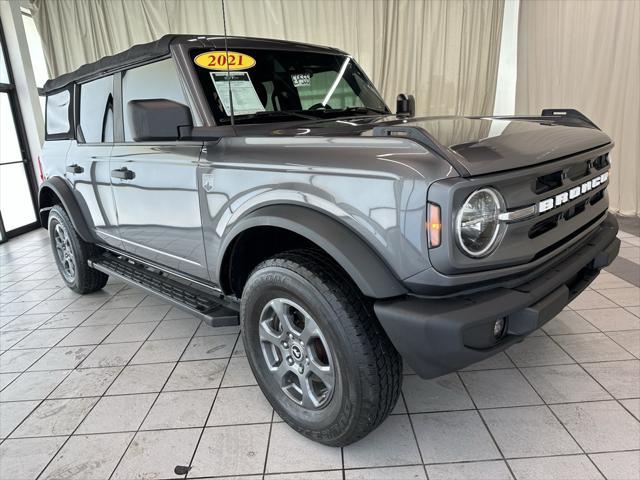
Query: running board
x=215 y=309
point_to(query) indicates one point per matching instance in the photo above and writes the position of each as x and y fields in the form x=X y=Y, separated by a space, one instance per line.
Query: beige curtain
x=443 y=51
x=586 y=55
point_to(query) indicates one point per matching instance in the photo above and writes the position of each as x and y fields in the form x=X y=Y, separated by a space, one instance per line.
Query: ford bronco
x=267 y=184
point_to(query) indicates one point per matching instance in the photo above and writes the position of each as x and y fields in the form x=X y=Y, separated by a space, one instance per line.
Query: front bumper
x=437 y=336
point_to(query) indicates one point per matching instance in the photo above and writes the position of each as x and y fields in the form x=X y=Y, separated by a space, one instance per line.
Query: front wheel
x=71 y=254
x=316 y=349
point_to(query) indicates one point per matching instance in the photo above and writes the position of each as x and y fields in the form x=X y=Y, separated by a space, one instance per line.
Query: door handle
x=75 y=168
x=123 y=174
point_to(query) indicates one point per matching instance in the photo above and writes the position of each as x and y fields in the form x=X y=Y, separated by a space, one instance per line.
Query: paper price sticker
x=301 y=80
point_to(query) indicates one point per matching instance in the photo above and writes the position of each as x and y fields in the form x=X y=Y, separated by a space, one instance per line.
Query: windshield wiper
x=365 y=110
x=279 y=113
x=358 y=110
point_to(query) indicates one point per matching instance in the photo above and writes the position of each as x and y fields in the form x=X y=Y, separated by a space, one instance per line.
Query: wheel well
x=47 y=198
x=253 y=246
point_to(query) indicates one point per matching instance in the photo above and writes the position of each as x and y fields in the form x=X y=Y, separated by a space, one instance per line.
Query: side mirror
x=158 y=119
x=405 y=105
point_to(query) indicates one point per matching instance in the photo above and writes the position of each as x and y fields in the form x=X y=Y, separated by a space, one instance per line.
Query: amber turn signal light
x=434 y=225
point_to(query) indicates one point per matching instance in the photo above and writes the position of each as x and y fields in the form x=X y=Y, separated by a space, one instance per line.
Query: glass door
x=17 y=180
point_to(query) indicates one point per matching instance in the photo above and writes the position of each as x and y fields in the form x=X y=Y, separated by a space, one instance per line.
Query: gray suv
x=266 y=183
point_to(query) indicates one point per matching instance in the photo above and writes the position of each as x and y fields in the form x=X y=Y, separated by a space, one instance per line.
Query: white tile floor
x=119 y=385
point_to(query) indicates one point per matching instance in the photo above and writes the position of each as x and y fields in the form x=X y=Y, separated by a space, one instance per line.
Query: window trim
x=78 y=102
x=119 y=133
x=71 y=133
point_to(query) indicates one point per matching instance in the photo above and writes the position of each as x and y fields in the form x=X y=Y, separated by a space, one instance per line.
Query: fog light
x=498 y=328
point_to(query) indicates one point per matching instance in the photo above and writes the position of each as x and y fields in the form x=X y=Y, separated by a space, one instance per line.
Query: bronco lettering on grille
x=575 y=192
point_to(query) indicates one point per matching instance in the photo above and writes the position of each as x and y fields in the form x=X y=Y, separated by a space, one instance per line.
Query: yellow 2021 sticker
x=221 y=60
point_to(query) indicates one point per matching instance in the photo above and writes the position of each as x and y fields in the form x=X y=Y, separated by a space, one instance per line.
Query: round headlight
x=477 y=223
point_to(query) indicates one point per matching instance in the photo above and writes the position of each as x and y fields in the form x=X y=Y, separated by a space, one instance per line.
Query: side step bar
x=216 y=310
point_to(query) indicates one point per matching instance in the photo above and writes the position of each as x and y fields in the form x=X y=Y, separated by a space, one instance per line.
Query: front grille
x=544 y=226
x=539 y=235
x=548 y=182
x=573 y=172
x=573 y=234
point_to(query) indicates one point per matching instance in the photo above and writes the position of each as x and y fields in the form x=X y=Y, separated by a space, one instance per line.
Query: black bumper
x=437 y=336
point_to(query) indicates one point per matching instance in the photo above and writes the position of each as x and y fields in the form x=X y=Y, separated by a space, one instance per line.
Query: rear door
x=87 y=165
x=155 y=183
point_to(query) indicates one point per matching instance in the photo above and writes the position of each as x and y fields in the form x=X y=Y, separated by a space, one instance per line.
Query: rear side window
x=58 y=115
x=153 y=81
x=96 y=111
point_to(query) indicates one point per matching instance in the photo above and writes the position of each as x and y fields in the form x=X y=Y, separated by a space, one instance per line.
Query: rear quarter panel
x=53 y=157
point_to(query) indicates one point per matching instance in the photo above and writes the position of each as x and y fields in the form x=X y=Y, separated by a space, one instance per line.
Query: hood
x=481 y=145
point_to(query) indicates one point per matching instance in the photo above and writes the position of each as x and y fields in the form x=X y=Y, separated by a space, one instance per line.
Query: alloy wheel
x=297 y=353
x=65 y=253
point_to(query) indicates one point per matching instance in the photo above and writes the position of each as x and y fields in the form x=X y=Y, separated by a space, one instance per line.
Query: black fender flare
x=365 y=267
x=63 y=191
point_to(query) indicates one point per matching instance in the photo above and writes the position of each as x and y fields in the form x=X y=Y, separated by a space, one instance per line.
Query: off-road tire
x=86 y=279
x=368 y=367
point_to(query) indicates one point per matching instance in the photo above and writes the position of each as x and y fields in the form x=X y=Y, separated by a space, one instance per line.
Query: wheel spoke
x=309 y=398
x=281 y=372
x=310 y=329
x=323 y=372
x=282 y=310
x=72 y=266
x=269 y=335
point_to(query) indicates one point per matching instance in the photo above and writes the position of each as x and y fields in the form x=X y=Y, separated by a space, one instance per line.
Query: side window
x=153 y=81
x=58 y=109
x=96 y=110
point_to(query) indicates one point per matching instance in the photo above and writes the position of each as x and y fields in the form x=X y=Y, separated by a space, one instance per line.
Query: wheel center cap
x=296 y=351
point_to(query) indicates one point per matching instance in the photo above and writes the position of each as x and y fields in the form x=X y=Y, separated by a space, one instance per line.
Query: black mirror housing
x=158 y=119
x=406 y=105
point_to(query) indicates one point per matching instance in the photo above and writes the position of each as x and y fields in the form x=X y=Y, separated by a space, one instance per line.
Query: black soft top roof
x=161 y=48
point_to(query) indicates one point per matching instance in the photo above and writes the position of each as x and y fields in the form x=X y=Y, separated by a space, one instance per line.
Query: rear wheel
x=71 y=254
x=316 y=348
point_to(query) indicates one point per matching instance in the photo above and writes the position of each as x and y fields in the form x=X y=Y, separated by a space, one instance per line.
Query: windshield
x=277 y=86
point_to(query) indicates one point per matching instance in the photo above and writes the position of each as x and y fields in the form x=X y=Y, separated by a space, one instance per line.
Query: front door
x=156 y=192
x=155 y=183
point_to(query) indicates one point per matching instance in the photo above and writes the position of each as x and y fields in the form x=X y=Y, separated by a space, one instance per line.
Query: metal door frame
x=10 y=90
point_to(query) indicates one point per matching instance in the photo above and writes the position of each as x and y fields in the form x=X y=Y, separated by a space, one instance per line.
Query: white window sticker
x=245 y=97
x=301 y=80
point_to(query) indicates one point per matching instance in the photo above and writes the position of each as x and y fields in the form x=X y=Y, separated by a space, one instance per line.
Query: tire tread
x=380 y=362
x=88 y=279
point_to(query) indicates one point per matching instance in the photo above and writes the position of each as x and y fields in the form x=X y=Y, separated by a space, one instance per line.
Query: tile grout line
x=606 y=334
x=482 y=419
x=49 y=349
x=70 y=371
x=93 y=406
x=139 y=393
x=215 y=397
x=38 y=328
x=556 y=415
x=271 y=423
x=613 y=397
x=415 y=437
x=266 y=456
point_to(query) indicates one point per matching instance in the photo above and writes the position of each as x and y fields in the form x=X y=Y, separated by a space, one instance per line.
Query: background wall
x=582 y=54
x=586 y=55
x=444 y=52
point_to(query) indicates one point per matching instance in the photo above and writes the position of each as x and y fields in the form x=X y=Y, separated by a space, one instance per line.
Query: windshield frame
x=220 y=118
